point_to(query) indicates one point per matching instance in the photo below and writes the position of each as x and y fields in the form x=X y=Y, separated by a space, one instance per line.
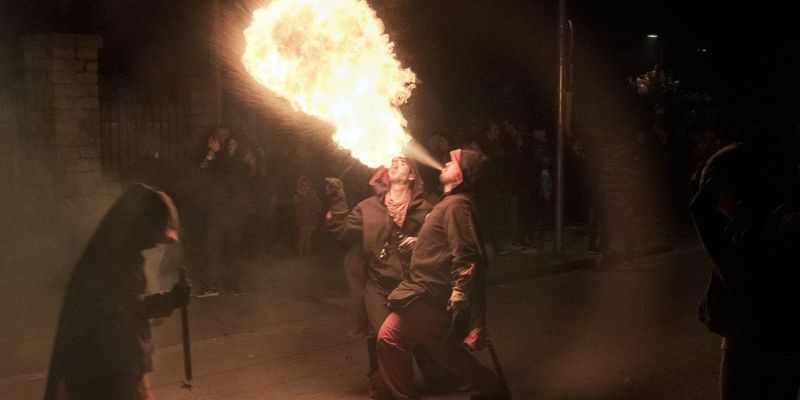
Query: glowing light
x=332 y=59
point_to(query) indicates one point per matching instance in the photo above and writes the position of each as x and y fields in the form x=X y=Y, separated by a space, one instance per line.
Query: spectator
x=525 y=177
x=230 y=204
x=493 y=196
x=620 y=182
x=308 y=214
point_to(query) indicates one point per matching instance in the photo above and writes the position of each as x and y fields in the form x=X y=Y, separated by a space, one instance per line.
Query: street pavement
x=562 y=329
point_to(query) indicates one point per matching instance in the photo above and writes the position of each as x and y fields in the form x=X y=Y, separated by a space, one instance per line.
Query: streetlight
x=559 y=184
x=654 y=46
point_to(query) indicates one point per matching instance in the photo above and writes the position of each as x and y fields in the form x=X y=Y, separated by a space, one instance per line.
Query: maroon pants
x=436 y=376
x=419 y=323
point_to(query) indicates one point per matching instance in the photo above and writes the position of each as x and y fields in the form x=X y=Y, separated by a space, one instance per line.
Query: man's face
x=449 y=174
x=232 y=144
x=303 y=185
x=400 y=171
x=222 y=134
x=493 y=133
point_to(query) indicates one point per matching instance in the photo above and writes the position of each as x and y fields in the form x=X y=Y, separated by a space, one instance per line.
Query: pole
x=559 y=189
x=187 y=344
x=217 y=67
x=497 y=367
x=570 y=80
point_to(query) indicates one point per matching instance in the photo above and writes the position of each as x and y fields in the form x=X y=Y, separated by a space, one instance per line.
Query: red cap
x=455 y=155
x=170 y=236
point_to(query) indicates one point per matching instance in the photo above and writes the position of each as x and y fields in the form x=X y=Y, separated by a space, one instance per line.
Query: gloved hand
x=407 y=244
x=334 y=189
x=181 y=293
x=476 y=339
x=458 y=300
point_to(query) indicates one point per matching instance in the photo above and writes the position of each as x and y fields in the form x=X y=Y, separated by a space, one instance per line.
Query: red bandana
x=397 y=210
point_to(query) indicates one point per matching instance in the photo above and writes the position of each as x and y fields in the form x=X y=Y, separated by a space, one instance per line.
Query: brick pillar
x=62 y=112
x=9 y=136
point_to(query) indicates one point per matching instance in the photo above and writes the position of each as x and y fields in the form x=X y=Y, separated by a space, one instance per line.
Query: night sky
x=470 y=52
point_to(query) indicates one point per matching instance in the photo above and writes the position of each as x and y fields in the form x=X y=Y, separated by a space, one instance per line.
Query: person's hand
x=334 y=189
x=181 y=292
x=477 y=339
x=407 y=244
x=458 y=300
x=213 y=144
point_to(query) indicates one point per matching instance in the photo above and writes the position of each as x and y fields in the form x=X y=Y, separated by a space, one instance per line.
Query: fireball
x=332 y=59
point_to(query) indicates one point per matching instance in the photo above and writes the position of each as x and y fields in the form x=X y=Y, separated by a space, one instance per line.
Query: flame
x=331 y=59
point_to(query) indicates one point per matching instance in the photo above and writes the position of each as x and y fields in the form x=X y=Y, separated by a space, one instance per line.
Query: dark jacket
x=748 y=295
x=369 y=227
x=450 y=254
x=228 y=180
x=103 y=333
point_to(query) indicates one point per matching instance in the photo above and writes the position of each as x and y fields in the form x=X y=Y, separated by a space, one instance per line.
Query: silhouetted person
x=102 y=347
x=751 y=299
x=308 y=214
x=620 y=183
x=494 y=196
x=229 y=207
x=525 y=173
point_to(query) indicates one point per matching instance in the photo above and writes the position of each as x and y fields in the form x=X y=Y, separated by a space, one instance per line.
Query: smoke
x=419 y=153
x=42 y=237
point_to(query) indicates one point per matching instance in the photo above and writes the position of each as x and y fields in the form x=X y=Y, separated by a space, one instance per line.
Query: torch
x=497 y=367
x=187 y=344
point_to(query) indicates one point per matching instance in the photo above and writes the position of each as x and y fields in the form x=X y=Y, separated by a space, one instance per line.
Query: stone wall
x=60 y=135
x=9 y=137
x=61 y=115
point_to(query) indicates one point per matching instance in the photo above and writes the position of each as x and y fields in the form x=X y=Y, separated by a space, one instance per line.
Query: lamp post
x=654 y=45
x=563 y=126
x=216 y=29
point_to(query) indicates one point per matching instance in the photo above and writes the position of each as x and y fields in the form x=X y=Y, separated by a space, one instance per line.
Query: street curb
x=538 y=272
x=585 y=262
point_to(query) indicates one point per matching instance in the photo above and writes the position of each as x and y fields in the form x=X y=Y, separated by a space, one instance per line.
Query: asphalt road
x=617 y=334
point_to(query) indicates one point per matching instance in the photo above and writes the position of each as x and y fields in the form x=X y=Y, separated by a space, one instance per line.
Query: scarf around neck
x=398 y=209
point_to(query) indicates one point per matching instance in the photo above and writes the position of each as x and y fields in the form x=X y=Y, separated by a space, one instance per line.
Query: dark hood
x=471 y=164
x=749 y=174
x=137 y=217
